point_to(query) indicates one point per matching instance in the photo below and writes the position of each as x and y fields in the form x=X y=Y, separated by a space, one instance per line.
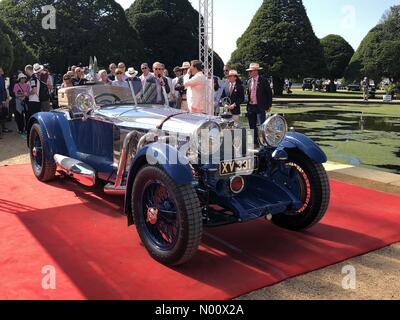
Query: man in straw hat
x=134 y=80
x=35 y=84
x=182 y=98
x=235 y=94
x=260 y=98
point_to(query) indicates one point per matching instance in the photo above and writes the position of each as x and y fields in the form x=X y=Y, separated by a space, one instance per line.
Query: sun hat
x=233 y=73
x=21 y=76
x=131 y=72
x=185 y=65
x=37 y=68
x=254 y=67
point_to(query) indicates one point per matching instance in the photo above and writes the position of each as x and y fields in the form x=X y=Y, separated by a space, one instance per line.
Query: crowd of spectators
x=33 y=90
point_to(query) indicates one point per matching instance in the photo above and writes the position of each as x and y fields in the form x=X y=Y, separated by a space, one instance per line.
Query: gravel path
x=13 y=148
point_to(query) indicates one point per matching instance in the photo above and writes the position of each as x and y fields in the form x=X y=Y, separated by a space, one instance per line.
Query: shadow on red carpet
x=84 y=234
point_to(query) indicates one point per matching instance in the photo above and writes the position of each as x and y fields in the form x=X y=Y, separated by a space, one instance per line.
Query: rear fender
x=162 y=155
x=306 y=145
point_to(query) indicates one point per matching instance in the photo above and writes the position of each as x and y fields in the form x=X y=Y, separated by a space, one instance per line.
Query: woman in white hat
x=21 y=90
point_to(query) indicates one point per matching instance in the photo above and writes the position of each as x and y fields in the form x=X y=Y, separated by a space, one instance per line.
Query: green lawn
x=373 y=141
x=378 y=110
x=341 y=94
x=383 y=110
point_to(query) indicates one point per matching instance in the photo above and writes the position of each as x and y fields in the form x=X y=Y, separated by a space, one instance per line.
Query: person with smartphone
x=195 y=82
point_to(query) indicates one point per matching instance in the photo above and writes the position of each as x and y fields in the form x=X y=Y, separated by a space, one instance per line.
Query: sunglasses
x=144 y=68
x=118 y=73
x=158 y=69
x=226 y=70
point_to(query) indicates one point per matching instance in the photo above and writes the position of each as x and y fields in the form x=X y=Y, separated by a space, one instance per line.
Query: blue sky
x=351 y=19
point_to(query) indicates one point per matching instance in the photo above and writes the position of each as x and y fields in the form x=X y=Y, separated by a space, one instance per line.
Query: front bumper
x=261 y=197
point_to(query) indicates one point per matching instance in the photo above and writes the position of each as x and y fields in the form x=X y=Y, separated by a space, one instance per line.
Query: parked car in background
x=355 y=86
x=308 y=84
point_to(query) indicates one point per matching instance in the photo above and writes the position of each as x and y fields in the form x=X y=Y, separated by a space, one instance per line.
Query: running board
x=77 y=170
x=112 y=190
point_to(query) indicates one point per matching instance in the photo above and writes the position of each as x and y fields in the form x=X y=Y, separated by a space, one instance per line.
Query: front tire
x=167 y=216
x=43 y=168
x=308 y=181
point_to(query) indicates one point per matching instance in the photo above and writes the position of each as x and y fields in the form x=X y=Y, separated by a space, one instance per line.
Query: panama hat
x=185 y=65
x=21 y=76
x=233 y=73
x=37 y=68
x=131 y=72
x=254 y=67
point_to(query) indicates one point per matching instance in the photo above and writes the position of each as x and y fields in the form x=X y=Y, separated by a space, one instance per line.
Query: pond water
x=353 y=138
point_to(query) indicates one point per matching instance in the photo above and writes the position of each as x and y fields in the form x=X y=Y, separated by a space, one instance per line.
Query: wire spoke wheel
x=167 y=216
x=308 y=182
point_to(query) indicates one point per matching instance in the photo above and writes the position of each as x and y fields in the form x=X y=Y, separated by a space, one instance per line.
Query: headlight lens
x=84 y=102
x=208 y=138
x=273 y=131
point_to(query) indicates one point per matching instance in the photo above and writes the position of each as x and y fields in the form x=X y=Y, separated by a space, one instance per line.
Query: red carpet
x=85 y=237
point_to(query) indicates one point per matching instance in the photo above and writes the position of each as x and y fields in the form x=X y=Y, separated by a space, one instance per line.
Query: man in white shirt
x=34 y=104
x=146 y=74
x=195 y=82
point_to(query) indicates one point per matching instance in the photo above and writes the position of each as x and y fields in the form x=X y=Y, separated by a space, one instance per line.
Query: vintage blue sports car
x=179 y=172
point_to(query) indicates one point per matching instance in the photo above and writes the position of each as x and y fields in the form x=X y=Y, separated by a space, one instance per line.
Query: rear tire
x=43 y=168
x=310 y=183
x=175 y=236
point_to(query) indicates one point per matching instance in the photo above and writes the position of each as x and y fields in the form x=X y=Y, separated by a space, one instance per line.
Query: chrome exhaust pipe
x=78 y=170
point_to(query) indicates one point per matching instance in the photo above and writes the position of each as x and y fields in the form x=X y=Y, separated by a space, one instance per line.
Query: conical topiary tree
x=169 y=31
x=280 y=37
x=22 y=53
x=84 y=28
x=337 y=54
x=379 y=53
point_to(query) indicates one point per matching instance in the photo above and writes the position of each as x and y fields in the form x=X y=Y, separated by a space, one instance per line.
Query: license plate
x=237 y=166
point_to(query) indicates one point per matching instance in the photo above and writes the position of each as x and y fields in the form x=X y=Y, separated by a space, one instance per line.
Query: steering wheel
x=107 y=98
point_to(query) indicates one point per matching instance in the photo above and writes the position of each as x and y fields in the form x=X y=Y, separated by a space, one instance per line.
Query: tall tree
x=21 y=52
x=379 y=53
x=6 y=51
x=337 y=54
x=169 y=31
x=84 y=28
x=280 y=37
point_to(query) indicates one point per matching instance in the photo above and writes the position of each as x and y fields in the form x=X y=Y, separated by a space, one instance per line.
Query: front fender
x=305 y=144
x=53 y=127
x=164 y=156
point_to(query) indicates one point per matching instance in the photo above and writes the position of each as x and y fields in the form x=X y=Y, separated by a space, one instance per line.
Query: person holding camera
x=180 y=87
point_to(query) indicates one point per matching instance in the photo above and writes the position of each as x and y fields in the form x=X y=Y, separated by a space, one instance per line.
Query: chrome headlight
x=85 y=102
x=208 y=138
x=273 y=131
